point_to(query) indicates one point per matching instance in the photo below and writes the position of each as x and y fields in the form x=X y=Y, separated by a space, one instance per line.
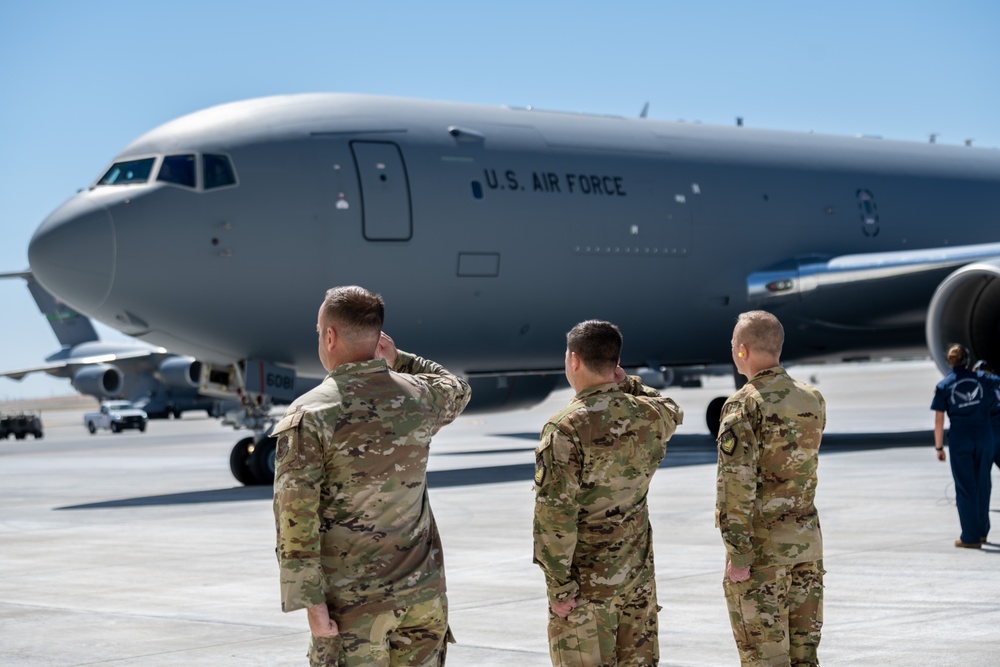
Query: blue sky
x=79 y=81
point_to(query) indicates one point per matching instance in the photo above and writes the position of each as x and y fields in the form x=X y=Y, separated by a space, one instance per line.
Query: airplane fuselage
x=491 y=231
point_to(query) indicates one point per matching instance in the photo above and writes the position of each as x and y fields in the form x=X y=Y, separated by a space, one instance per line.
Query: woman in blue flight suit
x=967 y=397
x=994 y=412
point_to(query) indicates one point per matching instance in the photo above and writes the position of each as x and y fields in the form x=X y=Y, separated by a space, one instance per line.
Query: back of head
x=958 y=356
x=761 y=332
x=355 y=313
x=597 y=343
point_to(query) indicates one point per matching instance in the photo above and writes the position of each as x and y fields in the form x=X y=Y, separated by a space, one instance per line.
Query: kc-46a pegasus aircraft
x=490 y=231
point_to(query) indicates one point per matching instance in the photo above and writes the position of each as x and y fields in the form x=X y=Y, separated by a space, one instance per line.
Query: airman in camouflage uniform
x=356 y=540
x=768 y=453
x=592 y=535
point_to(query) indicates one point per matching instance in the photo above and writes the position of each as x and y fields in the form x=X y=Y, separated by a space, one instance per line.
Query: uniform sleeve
x=736 y=483
x=298 y=481
x=939 y=403
x=992 y=382
x=632 y=384
x=822 y=405
x=450 y=393
x=557 y=484
x=672 y=413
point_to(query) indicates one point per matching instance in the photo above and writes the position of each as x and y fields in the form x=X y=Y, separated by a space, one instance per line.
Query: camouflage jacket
x=768 y=453
x=592 y=470
x=350 y=497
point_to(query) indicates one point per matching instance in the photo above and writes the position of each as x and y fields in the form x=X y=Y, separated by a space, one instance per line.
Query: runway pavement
x=141 y=550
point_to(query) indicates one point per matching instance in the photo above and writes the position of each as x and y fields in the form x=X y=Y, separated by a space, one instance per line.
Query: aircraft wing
x=54 y=367
x=805 y=275
x=47 y=368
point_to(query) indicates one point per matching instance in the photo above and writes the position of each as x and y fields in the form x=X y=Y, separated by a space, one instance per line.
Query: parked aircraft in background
x=155 y=380
x=491 y=231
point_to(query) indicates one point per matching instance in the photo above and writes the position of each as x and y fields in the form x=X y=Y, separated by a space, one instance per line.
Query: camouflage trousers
x=416 y=636
x=777 y=615
x=621 y=631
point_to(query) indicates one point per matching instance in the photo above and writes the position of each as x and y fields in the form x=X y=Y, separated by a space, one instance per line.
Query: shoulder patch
x=288 y=422
x=540 y=470
x=727 y=443
x=281 y=450
x=543 y=452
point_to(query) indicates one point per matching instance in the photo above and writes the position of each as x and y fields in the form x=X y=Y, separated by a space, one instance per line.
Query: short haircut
x=958 y=355
x=355 y=313
x=761 y=332
x=597 y=343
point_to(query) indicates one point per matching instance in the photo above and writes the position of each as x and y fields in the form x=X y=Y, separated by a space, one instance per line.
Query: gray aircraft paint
x=491 y=231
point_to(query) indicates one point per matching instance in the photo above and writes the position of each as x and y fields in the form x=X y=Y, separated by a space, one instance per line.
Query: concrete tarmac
x=141 y=550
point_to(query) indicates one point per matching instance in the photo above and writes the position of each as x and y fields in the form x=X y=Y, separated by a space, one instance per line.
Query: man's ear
x=575 y=361
x=330 y=338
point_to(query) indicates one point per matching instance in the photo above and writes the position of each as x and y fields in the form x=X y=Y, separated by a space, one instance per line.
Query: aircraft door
x=385 y=191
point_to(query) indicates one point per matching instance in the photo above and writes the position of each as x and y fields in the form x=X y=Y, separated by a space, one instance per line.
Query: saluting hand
x=386 y=349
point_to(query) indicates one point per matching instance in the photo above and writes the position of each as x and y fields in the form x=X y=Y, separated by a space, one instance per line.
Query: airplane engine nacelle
x=100 y=380
x=494 y=393
x=180 y=372
x=965 y=309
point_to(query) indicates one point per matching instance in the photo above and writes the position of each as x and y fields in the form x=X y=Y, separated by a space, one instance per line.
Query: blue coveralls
x=967 y=397
x=995 y=423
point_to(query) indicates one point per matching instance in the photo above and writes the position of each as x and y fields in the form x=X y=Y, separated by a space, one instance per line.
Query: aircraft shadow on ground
x=683 y=450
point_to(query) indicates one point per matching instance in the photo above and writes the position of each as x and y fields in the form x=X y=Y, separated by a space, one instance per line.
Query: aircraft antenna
x=645 y=110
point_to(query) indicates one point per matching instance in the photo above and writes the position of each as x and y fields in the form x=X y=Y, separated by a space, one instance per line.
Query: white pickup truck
x=116 y=415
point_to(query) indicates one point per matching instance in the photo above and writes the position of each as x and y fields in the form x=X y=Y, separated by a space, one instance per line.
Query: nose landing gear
x=252 y=460
x=713 y=415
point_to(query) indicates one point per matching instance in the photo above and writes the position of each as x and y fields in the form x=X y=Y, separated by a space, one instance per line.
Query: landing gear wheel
x=713 y=415
x=262 y=460
x=239 y=462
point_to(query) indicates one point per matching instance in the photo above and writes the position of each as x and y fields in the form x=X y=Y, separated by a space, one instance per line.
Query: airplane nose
x=72 y=253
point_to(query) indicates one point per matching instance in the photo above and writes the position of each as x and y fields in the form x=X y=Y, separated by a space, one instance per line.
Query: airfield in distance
x=140 y=549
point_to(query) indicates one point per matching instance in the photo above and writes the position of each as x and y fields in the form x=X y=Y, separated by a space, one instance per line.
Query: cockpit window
x=124 y=173
x=218 y=171
x=177 y=169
